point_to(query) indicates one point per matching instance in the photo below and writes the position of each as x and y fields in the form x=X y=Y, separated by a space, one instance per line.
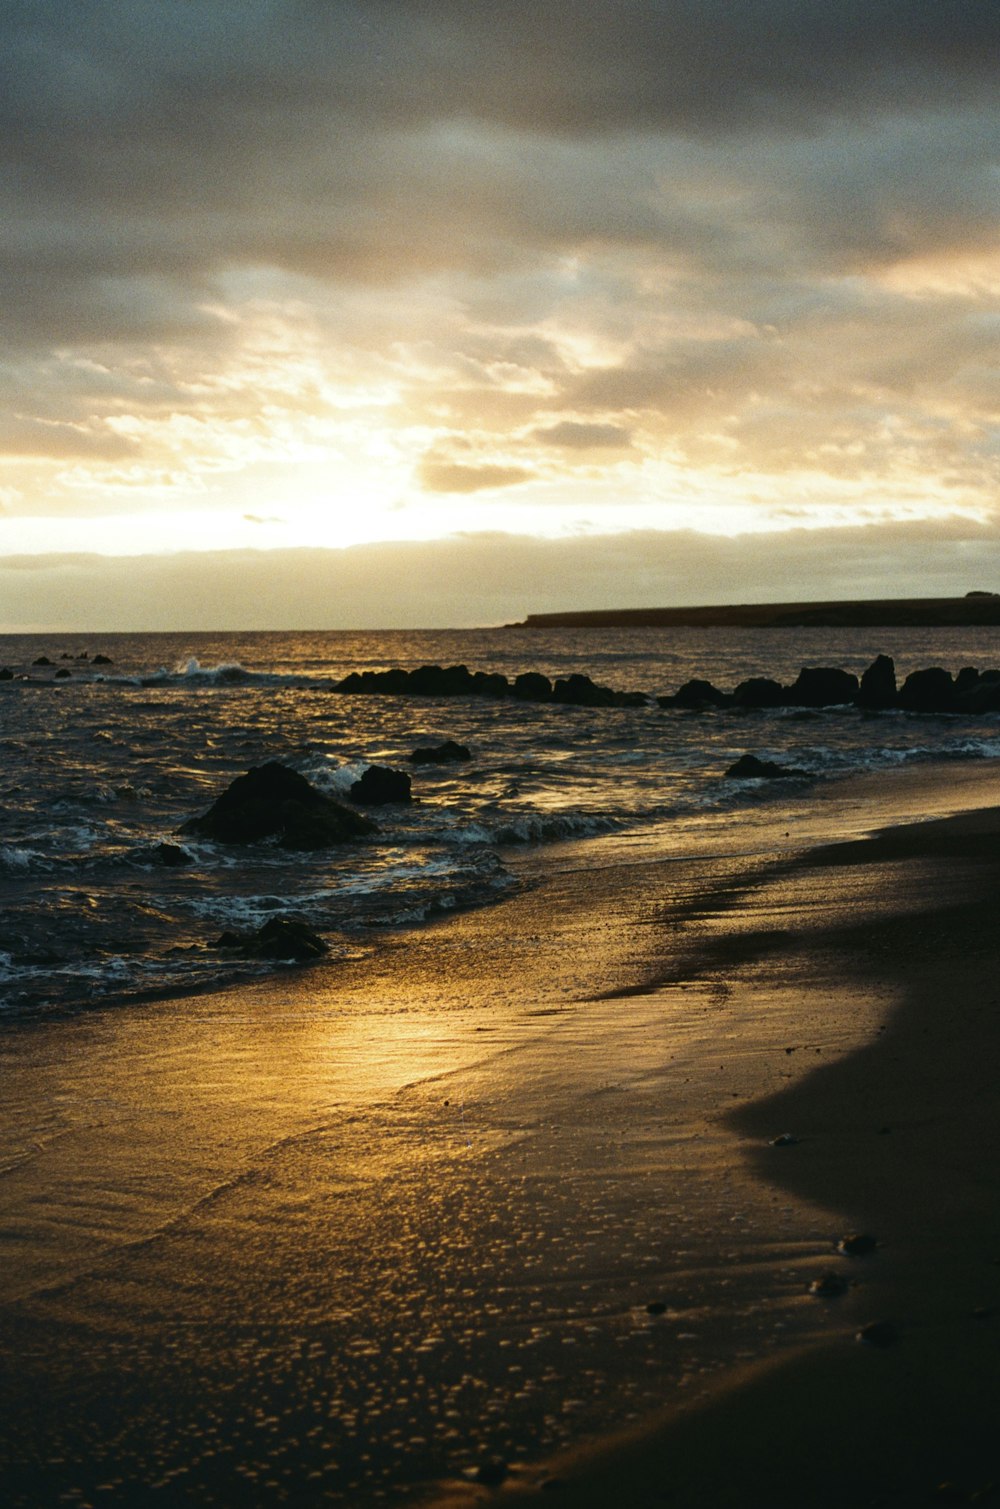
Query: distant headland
x=882 y=613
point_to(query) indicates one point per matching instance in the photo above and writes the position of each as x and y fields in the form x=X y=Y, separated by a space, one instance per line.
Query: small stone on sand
x=858 y=1244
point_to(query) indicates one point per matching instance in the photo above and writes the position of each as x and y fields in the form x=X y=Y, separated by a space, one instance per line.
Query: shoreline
x=897 y=1133
x=479 y=1155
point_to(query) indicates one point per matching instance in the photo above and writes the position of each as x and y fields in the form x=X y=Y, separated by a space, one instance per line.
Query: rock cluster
x=459 y=681
x=272 y=801
x=927 y=691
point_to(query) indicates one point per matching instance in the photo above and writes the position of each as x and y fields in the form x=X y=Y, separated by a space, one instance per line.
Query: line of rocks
x=459 y=681
x=933 y=690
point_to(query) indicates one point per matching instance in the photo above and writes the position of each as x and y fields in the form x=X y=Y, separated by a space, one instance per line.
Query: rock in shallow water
x=749 y=768
x=279 y=938
x=380 y=785
x=272 y=801
x=447 y=753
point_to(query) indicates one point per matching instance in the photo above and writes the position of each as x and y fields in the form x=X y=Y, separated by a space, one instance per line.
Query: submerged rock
x=272 y=801
x=279 y=938
x=748 y=767
x=380 y=785
x=448 y=753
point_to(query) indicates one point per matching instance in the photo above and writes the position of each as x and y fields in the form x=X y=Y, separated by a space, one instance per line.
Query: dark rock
x=630 y=699
x=828 y=1285
x=580 y=691
x=173 y=856
x=102 y=660
x=822 y=686
x=62 y=674
x=532 y=686
x=6 y=674
x=695 y=693
x=967 y=678
x=858 y=1244
x=492 y=1473
x=656 y=1307
x=380 y=785
x=786 y=1139
x=279 y=938
x=448 y=753
x=759 y=691
x=42 y=660
x=439 y=681
x=878 y=1333
x=272 y=801
x=981 y=696
x=490 y=684
x=367 y=682
x=749 y=768
x=930 y=691
x=878 y=684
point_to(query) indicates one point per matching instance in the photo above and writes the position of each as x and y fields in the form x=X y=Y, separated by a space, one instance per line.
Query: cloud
x=312 y=234
x=453 y=477
x=481 y=579
x=573 y=435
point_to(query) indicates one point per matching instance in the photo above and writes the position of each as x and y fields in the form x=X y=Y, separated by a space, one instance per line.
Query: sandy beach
x=501 y=1199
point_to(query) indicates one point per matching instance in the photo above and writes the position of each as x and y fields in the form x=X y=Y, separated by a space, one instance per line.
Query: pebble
x=858 y=1244
x=491 y=1473
x=656 y=1307
x=828 y=1284
x=878 y=1333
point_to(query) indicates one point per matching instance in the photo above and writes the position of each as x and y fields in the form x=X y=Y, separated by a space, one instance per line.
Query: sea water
x=103 y=762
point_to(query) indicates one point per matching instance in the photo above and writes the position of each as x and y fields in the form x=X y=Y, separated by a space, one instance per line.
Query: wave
x=533 y=828
x=227 y=673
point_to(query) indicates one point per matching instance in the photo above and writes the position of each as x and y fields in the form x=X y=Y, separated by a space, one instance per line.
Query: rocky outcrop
x=380 y=786
x=448 y=753
x=272 y=801
x=280 y=938
x=749 y=768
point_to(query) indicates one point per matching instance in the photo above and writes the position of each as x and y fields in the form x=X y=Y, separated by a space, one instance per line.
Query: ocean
x=103 y=762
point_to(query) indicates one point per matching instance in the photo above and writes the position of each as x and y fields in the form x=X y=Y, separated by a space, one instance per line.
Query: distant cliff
x=882 y=613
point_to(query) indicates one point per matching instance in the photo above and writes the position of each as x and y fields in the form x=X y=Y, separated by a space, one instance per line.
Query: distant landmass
x=874 y=613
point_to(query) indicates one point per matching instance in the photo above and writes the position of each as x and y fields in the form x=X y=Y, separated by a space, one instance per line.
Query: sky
x=439 y=312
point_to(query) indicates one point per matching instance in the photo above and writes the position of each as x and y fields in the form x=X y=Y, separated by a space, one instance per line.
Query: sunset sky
x=439 y=312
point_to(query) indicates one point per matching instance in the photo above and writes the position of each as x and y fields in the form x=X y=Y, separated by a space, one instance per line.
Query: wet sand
x=366 y=1229
x=899 y=1139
